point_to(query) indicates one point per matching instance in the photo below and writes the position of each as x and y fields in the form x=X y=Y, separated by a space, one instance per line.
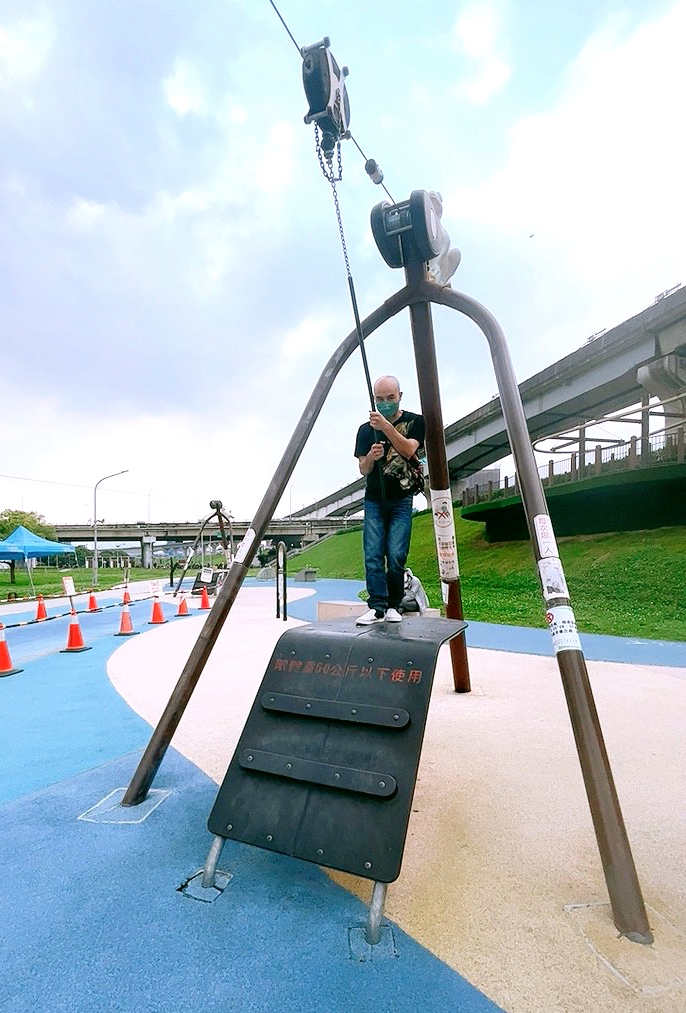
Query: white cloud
x=477 y=38
x=274 y=169
x=24 y=47
x=590 y=199
x=176 y=461
x=237 y=113
x=203 y=268
x=82 y=215
x=184 y=89
x=312 y=334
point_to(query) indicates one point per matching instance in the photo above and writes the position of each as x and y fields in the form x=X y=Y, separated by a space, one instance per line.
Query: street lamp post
x=95 y=522
x=230 y=516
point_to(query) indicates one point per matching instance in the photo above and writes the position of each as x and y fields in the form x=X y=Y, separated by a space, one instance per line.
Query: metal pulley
x=374 y=171
x=415 y=217
x=324 y=84
x=416 y=222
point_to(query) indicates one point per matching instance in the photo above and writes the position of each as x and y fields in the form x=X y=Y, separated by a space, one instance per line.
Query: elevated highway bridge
x=295 y=531
x=644 y=356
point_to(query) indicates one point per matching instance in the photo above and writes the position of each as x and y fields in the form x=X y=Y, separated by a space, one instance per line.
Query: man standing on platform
x=383 y=448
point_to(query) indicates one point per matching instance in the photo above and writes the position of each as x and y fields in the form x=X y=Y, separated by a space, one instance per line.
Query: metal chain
x=328 y=173
x=340 y=228
x=332 y=178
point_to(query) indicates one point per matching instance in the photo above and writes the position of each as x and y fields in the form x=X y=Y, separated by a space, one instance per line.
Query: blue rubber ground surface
x=596 y=646
x=101 y=917
x=100 y=922
x=106 y=916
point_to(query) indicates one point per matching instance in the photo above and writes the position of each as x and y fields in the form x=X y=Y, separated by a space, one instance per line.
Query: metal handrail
x=659 y=450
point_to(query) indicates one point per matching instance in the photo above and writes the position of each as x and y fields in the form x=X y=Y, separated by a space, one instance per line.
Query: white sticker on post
x=245 y=546
x=68 y=585
x=545 y=536
x=444 y=530
x=562 y=626
x=553 y=583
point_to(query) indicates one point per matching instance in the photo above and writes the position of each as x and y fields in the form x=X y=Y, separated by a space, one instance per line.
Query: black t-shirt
x=408 y=425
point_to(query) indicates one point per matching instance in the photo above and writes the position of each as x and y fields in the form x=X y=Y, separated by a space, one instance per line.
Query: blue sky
x=171 y=277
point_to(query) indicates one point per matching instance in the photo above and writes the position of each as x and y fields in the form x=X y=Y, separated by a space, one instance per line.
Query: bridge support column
x=147 y=542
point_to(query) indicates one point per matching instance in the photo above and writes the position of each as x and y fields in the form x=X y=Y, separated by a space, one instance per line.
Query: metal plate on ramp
x=326 y=765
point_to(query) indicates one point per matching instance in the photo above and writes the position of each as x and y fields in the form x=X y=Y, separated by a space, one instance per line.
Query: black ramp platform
x=326 y=765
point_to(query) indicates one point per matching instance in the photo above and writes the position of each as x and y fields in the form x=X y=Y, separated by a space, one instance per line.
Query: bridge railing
x=659 y=449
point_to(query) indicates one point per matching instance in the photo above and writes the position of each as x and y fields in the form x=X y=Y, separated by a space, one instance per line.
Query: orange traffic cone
x=41 y=611
x=205 y=599
x=74 y=638
x=125 y=625
x=6 y=667
x=92 y=603
x=127 y=597
x=183 y=607
x=157 y=613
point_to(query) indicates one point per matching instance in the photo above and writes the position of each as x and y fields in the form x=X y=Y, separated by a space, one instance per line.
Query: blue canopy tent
x=23 y=544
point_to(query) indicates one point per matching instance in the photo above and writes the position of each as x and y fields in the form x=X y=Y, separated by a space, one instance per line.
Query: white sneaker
x=369 y=618
x=393 y=616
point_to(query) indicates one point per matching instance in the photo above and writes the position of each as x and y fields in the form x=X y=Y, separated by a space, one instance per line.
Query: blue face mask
x=387 y=408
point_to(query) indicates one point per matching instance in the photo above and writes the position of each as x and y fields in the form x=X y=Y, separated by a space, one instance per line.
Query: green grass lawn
x=626 y=584
x=47 y=580
x=623 y=584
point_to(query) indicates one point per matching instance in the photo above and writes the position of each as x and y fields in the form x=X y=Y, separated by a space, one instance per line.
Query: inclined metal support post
x=222 y=530
x=437 y=460
x=626 y=899
x=154 y=753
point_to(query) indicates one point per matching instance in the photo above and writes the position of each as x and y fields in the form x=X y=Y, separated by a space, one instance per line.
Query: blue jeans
x=386 y=542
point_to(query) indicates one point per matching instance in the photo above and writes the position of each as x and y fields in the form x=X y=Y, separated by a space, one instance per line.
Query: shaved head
x=387 y=384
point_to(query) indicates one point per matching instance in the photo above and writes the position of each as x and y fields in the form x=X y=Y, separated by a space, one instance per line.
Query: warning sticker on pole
x=545 y=536
x=553 y=583
x=245 y=546
x=562 y=626
x=444 y=530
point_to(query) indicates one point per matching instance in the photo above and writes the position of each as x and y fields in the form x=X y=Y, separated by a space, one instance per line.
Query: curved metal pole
x=620 y=874
x=173 y=712
x=221 y=517
x=189 y=555
x=218 y=514
x=628 y=908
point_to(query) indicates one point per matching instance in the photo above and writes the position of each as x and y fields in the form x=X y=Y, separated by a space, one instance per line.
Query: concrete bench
x=308 y=573
x=345 y=609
